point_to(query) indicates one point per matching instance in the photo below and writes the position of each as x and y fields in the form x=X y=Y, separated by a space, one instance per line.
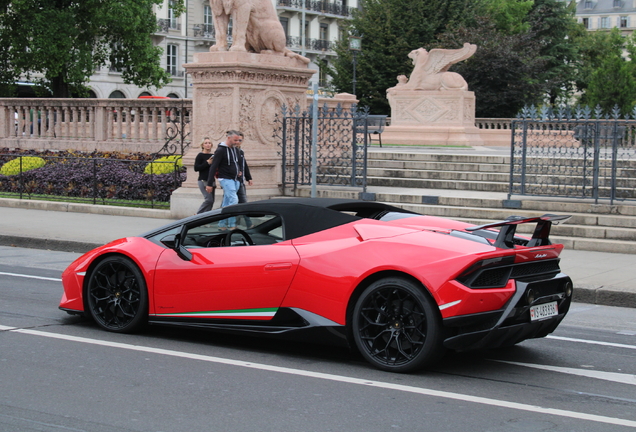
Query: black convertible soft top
x=304 y=216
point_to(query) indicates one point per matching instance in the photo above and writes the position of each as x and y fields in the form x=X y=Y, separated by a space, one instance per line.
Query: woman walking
x=202 y=165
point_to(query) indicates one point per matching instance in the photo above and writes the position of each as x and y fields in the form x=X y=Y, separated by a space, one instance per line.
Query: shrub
x=164 y=165
x=27 y=163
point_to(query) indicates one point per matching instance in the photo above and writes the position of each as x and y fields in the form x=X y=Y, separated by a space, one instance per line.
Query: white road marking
x=611 y=344
x=335 y=378
x=607 y=376
x=30 y=276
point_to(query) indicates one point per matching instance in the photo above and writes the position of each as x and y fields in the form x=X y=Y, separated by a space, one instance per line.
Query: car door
x=236 y=281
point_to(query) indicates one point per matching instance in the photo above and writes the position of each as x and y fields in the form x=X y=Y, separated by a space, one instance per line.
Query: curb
x=85 y=208
x=47 y=244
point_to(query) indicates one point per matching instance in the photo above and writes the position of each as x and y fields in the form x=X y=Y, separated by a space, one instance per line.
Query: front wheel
x=396 y=327
x=117 y=297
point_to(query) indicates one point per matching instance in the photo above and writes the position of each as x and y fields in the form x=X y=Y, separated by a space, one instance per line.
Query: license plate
x=542 y=311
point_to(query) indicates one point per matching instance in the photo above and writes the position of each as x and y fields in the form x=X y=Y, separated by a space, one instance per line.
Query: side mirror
x=181 y=251
x=169 y=241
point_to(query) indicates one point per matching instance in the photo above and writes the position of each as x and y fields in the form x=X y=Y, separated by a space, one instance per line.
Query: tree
x=59 y=43
x=390 y=30
x=596 y=48
x=553 y=25
x=613 y=84
x=503 y=72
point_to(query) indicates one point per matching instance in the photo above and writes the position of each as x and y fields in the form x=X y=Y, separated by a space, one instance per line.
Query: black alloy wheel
x=396 y=327
x=117 y=296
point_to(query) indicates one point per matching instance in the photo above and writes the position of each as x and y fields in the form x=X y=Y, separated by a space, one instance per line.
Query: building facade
x=182 y=36
x=607 y=14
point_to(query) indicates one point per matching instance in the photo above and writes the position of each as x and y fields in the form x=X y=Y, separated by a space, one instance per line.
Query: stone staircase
x=473 y=188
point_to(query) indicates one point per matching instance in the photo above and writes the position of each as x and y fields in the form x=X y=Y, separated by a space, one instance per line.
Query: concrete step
x=438 y=184
x=437 y=174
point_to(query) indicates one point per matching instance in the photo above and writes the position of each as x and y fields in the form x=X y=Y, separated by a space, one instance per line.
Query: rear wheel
x=396 y=327
x=117 y=296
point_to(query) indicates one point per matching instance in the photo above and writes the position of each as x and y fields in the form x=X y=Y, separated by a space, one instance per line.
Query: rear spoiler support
x=540 y=237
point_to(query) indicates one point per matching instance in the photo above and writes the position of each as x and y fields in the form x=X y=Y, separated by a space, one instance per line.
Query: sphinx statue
x=433 y=106
x=430 y=69
x=255 y=28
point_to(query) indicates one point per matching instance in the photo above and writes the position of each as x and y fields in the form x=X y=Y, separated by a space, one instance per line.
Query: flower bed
x=100 y=178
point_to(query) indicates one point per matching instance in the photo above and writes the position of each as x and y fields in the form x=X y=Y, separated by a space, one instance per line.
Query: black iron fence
x=576 y=153
x=91 y=180
x=341 y=146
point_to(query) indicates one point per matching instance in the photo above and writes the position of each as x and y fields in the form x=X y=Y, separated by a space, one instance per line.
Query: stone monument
x=243 y=88
x=433 y=106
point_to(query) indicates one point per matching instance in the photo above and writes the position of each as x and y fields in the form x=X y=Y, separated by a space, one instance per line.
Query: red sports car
x=400 y=286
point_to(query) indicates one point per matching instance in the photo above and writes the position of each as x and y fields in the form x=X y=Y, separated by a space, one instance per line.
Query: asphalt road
x=61 y=373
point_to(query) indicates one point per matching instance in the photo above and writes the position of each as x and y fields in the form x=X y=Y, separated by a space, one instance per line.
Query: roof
x=304 y=216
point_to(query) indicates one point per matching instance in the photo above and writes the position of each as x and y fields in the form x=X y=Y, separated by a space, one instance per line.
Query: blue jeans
x=230 y=189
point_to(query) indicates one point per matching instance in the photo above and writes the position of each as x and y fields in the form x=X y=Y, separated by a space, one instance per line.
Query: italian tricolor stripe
x=234 y=314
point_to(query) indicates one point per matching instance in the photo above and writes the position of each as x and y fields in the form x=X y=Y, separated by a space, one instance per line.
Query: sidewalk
x=599 y=278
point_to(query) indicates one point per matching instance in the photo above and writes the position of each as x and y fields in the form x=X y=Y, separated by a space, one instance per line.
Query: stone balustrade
x=126 y=125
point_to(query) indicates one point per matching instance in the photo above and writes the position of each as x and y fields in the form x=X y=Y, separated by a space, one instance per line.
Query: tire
x=117 y=297
x=396 y=327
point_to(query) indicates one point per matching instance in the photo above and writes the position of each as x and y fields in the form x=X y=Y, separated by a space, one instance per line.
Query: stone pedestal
x=241 y=91
x=432 y=117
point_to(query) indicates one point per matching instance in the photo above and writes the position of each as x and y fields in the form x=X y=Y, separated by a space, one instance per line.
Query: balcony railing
x=203 y=30
x=310 y=44
x=165 y=25
x=318 y=6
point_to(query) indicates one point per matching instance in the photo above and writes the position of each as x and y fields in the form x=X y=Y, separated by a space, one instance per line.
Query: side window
x=257 y=230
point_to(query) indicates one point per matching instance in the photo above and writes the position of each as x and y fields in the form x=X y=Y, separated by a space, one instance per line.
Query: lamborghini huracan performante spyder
x=399 y=286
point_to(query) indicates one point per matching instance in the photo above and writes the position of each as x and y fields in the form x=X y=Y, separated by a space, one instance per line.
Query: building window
x=171 y=59
x=618 y=3
x=605 y=22
x=589 y=5
x=324 y=32
x=285 y=23
x=624 y=22
x=172 y=17
x=208 y=24
x=586 y=23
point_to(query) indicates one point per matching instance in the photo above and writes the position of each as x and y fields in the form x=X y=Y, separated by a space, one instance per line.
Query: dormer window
x=589 y=4
x=618 y=3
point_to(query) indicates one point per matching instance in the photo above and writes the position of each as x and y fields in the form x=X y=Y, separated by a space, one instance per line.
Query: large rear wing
x=506 y=237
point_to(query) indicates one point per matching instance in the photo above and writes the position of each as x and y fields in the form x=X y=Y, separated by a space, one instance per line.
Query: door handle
x=278 y=266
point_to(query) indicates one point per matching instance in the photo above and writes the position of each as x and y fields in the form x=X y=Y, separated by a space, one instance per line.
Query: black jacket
x=229 y=163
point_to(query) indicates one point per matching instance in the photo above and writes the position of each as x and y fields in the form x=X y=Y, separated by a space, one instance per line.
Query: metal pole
x=302 y=32
x=354 y=72
x=185 y=74
x=314 y=141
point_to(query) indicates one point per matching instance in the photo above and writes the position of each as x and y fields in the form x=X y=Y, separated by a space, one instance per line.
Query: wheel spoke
x=392 y=326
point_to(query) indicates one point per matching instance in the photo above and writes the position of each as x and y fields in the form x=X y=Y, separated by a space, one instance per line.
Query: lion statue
x=255 y=28
x=430 y=69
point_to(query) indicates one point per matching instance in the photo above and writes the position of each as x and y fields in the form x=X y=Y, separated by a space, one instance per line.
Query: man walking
x=230 y=167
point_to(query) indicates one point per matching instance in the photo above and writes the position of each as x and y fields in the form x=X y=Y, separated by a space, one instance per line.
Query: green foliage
x=390 y=29
x=613 y=84
x=596 y=48
x=164 y=165
x=503 y=71
x=27 y=163
x=509 y=16
x=66 y=40
x=553 y=26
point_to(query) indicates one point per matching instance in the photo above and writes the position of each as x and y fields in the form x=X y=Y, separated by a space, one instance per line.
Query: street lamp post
x=355 y=45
